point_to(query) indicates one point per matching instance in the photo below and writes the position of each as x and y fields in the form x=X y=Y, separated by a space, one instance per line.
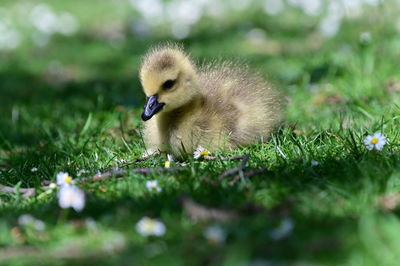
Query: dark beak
x=151 y=107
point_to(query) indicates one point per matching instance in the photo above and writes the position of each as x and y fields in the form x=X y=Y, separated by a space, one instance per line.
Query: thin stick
x=247 y=174
x=215 y=158
x=339 y=139
x=69 y=251
x=198 y=212
x=120 y=172
x=12 y=189
x=117 y=172
x=239 y=169
x=335 y=136
x=209 y=181
x=141 y=159
x=26 y=192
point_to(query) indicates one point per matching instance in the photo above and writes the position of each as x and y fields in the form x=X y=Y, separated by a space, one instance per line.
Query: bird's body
x=219 y=106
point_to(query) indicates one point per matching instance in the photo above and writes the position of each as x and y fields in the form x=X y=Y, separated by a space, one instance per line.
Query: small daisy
x=34 y=169
x=377 y=141
x=200 y=152
x=39 y=225
x=365 y=37
x=150 y=227
x=315 y=163
x=82 y=171
x=64 y=179
x=91 y=223
x=169 y=160
x=71 y=197
x=283 y=230
x=215 y=235
x=27 y=220
x=152 y=185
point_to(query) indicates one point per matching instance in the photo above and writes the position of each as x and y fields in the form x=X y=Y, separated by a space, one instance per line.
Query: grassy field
x=324 y=199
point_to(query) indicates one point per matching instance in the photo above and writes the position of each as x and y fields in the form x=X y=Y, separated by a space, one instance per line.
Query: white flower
x=315 y=163
x=71 y=197
x=115 y=242
x=365 y=37
x=44 y=19
x=153 y=185
x=64 y=179
x=169 y=160
x=377 y=141
x=330 y=25
x=91 y=223
x=39 y=225
x=273 y=7
x=150 y=227
x=34 y=169
x=67 y=24
x=200 y=152
x=283 y=230
x=215 y=234
x=82 y=171
x=27 y=220
x=10 y=38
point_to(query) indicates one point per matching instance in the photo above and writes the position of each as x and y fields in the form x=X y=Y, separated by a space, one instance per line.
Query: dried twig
x=141 y=159
x=73 y=250
x=339 y=139
x=120 y=172
x=26 y=192
x=247 y=174
x=12 y=252
x=215 y=158
x=239 y=169
x=209 y=181
x=198 y=212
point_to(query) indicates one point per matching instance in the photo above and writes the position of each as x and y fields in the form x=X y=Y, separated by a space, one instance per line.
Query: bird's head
x=169 y=80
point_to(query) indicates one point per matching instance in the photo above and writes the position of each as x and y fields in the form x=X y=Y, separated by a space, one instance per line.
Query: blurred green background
x=70 y=99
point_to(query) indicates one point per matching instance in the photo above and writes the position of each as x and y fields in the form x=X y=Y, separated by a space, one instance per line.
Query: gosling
x=219 y=106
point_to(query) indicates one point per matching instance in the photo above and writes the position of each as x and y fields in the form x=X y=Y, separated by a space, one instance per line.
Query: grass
x=85 y=114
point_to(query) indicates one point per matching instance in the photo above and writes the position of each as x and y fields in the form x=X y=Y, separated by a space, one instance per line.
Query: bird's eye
x=168 y=84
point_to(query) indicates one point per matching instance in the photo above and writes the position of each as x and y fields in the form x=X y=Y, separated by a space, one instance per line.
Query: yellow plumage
x=219 y=106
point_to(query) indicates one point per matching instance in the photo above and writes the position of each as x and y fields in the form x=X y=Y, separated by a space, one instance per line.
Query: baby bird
x=219 y=106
